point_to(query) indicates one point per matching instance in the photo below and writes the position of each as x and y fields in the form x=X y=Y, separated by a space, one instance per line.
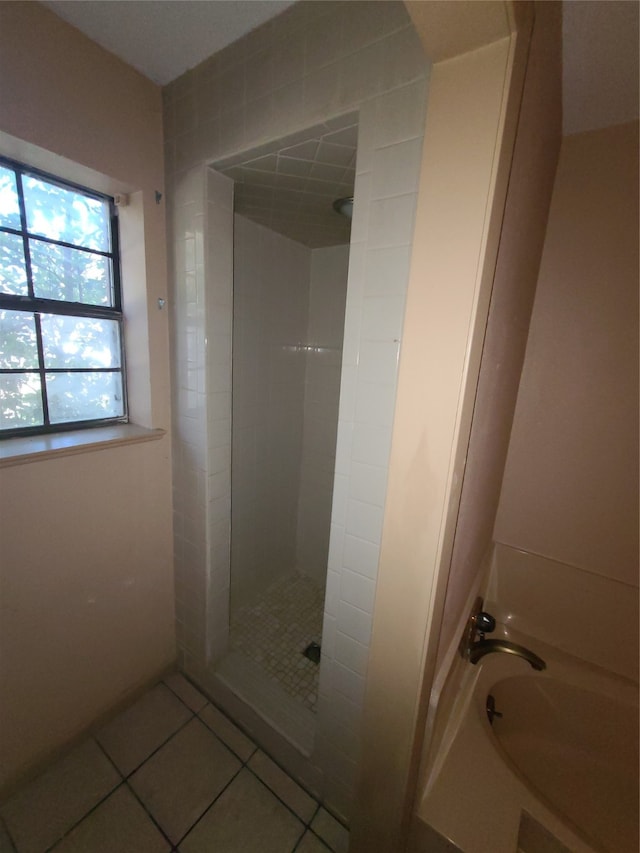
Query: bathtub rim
x=450 y=786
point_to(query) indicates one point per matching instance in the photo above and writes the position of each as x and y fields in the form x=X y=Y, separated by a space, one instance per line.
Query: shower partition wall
x=385 y=81
x=288 y=324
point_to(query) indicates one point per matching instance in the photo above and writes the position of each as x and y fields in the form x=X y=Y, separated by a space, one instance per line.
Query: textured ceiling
x=290 y=185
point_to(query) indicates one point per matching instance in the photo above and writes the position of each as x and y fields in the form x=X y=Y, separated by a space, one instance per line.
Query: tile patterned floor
x=170 y=773
x=274 y=632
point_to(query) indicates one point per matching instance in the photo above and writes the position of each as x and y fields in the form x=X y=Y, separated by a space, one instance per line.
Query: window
x=61 y=357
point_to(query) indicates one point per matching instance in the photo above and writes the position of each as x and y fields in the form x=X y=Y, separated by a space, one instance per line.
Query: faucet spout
x=486 y=647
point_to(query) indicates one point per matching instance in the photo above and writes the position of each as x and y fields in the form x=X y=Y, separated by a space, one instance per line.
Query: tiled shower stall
x=288 y=325
x=287 y=346
x=314 y=64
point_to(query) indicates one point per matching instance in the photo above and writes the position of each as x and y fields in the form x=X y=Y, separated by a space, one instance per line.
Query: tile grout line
x=168 y=686
x=271 y=791
x=197 y=714
x=194 y=715
x=289 y=776
x=257 y=748
x=86 y=814
x=211 y=804
x=315 y=835
x=150 y=816
x=244 y=764
x=130 y=789
x=127 y=776
x=123 y=782
x=120 y=784
x=226 y=745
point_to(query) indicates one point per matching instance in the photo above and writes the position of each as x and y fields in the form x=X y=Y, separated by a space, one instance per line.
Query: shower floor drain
x=312 y=652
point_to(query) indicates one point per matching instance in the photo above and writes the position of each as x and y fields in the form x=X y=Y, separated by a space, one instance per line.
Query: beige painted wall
x=570 y=489
x=85 y=540
x=533 y=169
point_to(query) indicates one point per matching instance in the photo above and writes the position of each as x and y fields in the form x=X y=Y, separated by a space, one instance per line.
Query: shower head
x=344 y=206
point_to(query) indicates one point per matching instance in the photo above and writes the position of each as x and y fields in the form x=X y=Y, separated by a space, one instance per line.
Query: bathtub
x=562 y=759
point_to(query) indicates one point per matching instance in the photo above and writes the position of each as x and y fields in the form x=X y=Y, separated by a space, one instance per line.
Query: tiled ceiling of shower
x=290 y=185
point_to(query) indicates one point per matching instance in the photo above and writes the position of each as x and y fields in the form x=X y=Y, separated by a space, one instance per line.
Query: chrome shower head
x=344 y=206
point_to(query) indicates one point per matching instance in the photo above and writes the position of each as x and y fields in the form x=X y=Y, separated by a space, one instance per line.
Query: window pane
x=84 y=396
x=62 y=214
x=18 y=345
x=83 y=342
x=69 y=274
x=9 y=208
x=13 y=274
x=20 y=400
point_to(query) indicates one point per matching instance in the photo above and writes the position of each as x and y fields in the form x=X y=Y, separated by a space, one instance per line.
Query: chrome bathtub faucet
x=473 y=646
x=486 y=647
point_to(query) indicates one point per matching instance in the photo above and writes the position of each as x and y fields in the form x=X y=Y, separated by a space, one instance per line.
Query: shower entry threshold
x=284 y=714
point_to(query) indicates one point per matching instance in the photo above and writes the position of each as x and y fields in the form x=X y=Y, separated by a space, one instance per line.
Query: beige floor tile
x=40 y=814
x=311 y=844
x=246 y=818
x=283 y=785
x=331 y=831
x=182 y=779
x=190 y=695
x=228 y=733
x=134 y=734
x=119 y=825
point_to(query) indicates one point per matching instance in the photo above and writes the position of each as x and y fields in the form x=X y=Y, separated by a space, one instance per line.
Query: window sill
x=36 y=448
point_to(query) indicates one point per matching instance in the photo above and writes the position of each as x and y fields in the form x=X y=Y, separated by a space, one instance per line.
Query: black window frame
x=32 y=304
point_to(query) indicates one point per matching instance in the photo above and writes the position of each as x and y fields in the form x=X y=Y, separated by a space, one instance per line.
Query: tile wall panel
x=201 y=211
x=323 y=356
x=271 y=306
x=217 y=305
x=316 y=61
x=186 y=204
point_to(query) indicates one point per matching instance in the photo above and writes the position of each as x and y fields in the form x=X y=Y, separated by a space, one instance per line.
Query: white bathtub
x=578 y=750
x=565 y=752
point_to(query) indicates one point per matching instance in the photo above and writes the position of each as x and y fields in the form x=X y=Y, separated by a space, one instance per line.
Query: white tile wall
x=201 y=347
x=324 y=336
x=302 y=378
x=216 y=299
x=272 y=283
x=189 y=414
x=322 y=59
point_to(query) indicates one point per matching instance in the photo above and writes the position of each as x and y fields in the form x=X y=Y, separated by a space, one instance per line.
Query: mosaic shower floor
x=275 y=631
